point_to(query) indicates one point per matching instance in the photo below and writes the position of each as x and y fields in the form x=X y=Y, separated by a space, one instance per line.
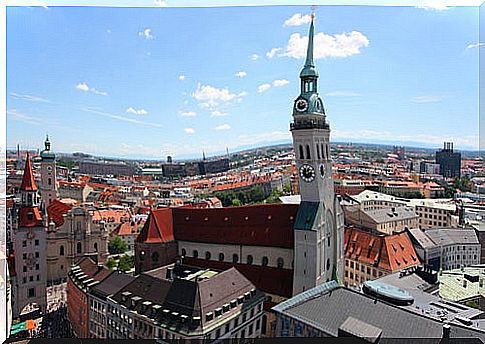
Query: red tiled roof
x=129 y=228
x=268 y=279
x=30 y=217
x=28 y=181
x=258 y=225
x=56 y=210
x=158 y=228
x=391 y=252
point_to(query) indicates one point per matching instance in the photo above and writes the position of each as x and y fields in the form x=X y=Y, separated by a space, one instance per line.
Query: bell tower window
x=49 y=181
x=318 y=151
x=308 y=156
x=302 y=156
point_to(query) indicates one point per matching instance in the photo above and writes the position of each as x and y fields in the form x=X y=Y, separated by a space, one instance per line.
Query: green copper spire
x=309 y=68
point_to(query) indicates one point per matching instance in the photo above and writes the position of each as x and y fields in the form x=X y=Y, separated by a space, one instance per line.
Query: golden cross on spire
x=313 y=12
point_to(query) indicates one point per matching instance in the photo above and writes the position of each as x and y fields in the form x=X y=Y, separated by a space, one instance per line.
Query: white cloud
x=280 y=82
x=217 y=113
x=19 y=116
x=475 y=45
x=343 y=94
x=189 y=130
x=338 y=45
x=263 y=87
x=223 y=127
x=181 y=77
x=121 y=118
x=136 y=112
x=161 y=3
x=436 y=5
x=270 y=54
x=427 y=99
x=254 y=57
x=108 y=31
x=188 y=114
x=146 y=33
x=28 y=97
x=39 y=3
x=210 y=96
x=241 y=74
x=253 y=139
x=298 y=19
x=82 y=86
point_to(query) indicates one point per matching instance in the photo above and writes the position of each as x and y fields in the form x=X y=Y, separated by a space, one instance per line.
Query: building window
x=24 y=243
x=49 y=181
x=184 y=252
x=221 y=257
x=280 y=262
x=36 y=242
x=207 y=255
x=264 y=261
x=301 y=152
x=61 y=250
x=24 y=255
x=155 y=257
x=235 y=258
x=95 y=247
x=195 y=254
x=24 y=269
x=142 y=255
x=24 y=280
x=36 y=266
x=38 y=277
x=249 y=259
x=31 y=292
x=308 y=156
x=79 y=247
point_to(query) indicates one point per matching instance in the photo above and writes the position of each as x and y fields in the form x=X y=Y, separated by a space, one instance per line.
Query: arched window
x=328 y=264
x=221 y=257
x=49 y=181
x=328 y=241
x=235 y=258
x=61 y=250
x=155 y=257
x=95 y=247
x=302 y=156
x=318 y=151
x=79 y=247
x=183 y=252
x=265 y=261
x=207 y=255
x=280 y=262
x=195 y=254
x=249 y=259
x=308 y=156
x=328 y=151
x=323 y=152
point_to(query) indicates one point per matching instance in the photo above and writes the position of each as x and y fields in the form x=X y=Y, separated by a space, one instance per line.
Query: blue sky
x=151 y=82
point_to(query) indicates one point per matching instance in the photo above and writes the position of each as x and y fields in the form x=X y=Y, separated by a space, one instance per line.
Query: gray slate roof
x=452 y=236
x=387 y=214
x=330 y=310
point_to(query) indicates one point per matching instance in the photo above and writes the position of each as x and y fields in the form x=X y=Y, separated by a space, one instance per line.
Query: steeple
x=28 y=181
x=309 y=69
x=46 y=154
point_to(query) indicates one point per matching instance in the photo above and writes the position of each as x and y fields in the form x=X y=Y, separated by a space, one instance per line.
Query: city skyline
x=144 y=86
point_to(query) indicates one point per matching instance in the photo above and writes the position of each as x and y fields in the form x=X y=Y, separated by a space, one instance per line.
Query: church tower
x=319 y=223
x=48 y=186
x=29 y=248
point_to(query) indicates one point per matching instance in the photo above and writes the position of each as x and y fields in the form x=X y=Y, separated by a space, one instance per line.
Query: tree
x=126 y=263
x=462 y=183
x=110 y=264
x=117 y=246
x=236 y=202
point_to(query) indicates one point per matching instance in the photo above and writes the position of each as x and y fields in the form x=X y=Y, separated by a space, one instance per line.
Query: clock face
x=301 y=105
x=307 y=173
x=49 y=168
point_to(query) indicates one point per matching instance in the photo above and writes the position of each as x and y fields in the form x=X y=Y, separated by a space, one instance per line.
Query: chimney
x=446 y=330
